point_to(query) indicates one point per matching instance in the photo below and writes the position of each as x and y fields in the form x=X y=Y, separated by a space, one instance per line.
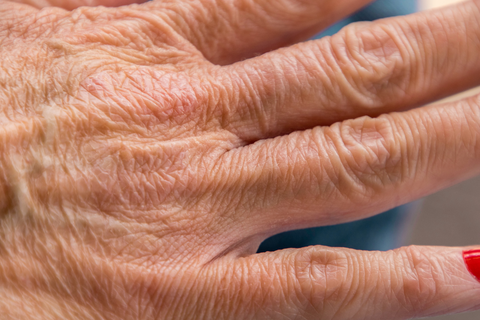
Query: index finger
x=226 y=31
x=366 y=69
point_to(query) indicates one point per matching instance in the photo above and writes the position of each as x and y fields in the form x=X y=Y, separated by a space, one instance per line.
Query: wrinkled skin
x=147 y=150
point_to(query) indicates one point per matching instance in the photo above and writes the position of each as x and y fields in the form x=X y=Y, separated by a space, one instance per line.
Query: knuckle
x=369 y=151
x=373 y=63
x=323 y=277
x=420 y=279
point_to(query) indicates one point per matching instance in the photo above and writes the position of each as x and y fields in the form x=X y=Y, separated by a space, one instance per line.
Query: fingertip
x=472 y=262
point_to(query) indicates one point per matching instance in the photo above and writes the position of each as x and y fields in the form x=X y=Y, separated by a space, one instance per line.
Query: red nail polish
x=472 y=260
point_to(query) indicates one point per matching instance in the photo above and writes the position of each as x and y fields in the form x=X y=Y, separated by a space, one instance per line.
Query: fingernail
x=472 y=260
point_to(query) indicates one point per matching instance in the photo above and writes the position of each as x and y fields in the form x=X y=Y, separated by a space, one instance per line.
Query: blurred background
x=450 y=217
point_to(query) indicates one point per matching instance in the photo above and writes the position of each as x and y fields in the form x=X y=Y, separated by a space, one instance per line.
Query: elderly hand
x=147 y=150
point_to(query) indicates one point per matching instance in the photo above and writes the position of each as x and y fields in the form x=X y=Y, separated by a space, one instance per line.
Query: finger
x=353 y=169
x=73 y=4
x=226 y=31
x=340 y=284
x=366 y=69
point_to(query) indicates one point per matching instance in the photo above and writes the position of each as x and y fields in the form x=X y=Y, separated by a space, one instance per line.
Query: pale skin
x=147 y=150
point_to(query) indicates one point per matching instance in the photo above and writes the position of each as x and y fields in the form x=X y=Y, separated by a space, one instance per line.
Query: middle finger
x=352 y=169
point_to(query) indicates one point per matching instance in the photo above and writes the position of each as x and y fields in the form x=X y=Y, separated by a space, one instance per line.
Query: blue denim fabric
x=377 y=10
x=382 y=232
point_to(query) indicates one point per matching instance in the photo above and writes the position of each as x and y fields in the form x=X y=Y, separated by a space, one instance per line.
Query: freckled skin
x=147 y=150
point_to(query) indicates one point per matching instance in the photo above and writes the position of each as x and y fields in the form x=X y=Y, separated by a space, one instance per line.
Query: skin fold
x=148 y=149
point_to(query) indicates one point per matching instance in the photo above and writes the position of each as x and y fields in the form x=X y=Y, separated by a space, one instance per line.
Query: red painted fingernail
x=472 y=260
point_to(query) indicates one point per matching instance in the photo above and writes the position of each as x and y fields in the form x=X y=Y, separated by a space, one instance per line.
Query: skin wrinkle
x=195 y=32
x=180 y=101
x=315 y=272
x=339 y=144
x=422 y=280
x=389 y=56
x=335 y=178
x=428 y=64
x=349 y=292
x=298 y=179
x=254 y=107
x=148 y=185
x=372 y=54
x=475 y=111
x=248 y=21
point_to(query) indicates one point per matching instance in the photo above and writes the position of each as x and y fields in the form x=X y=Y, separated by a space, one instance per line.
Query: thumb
x=330 y=283
x=73 y=4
